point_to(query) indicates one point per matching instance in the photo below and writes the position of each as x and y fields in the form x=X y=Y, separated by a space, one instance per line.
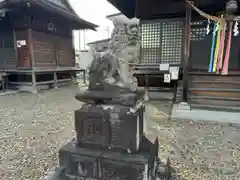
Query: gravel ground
x=34 y=127
x=197 y=150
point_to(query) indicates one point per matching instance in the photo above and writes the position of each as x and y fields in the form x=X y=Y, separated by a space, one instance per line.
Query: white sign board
x=164 y=67
x=167 y=78
x=174 y=71
x=21 y=43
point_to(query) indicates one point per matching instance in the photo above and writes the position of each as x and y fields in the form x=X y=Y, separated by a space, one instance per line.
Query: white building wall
x=86 y=58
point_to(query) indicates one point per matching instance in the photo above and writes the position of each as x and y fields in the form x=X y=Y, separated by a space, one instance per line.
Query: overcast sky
x=94 y=11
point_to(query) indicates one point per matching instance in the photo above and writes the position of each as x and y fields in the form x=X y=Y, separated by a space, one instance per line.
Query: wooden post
x=55 y=80
x=34 y=83
x=84 y=76
x=15 y=47
x=186 y=51
x=32 y=60
x=31 y=51
x=2 y=81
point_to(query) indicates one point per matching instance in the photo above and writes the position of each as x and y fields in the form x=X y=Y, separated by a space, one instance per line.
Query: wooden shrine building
x=36 y=41
x=174 y=35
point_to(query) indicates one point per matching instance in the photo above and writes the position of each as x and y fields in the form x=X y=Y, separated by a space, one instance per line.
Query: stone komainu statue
x=111 y=68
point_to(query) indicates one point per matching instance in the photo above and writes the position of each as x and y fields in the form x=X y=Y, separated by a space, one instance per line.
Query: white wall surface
x=86 y=59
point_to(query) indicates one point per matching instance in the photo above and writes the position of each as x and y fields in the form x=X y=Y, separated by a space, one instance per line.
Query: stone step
x=214 y=101
x=213 y=77
x=215 y=92
x=207 y=113
x=214 y=84
x=221 y=108
x=167 y=96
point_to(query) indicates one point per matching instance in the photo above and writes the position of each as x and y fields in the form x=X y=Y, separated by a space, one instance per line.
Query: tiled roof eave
x=52 y=7
x=71 y=15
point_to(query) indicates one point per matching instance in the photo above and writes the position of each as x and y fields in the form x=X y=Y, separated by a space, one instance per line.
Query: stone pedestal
x=114 y=127
x=85 y=163
x=110 y=145
x=110 y=142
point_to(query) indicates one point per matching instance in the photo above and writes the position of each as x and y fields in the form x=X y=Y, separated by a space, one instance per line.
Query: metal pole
x=84 y=39
x=187 y=51
x=79 y=39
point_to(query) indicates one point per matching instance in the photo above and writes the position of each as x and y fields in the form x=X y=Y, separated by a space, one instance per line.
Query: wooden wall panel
x=23 y=50
x=7 y=52
x=51 y=41
x=51 y=51
x=65 y=52
x=44 y=52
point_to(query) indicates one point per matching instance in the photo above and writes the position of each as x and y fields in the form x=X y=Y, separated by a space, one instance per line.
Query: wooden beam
x=153 y=9
x=15 y=46
x=29 y=41
x=186 y=52
x=34 y=82
x=55 y=80
x=30 y=48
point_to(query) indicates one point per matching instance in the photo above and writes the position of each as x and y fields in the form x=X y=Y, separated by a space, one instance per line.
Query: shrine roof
x=99 y=41
x=127 y=7
x=153 y=9
x=61 y=7
x=122 y=19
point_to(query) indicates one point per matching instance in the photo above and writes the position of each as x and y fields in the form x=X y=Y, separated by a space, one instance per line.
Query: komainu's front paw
x=110 y=80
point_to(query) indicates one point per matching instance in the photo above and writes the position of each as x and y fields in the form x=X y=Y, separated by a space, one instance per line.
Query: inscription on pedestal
x=112 y=128
x=125 y=127
x=93 y=130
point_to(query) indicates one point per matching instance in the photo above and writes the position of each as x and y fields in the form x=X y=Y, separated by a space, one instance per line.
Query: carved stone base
x=88 y=164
